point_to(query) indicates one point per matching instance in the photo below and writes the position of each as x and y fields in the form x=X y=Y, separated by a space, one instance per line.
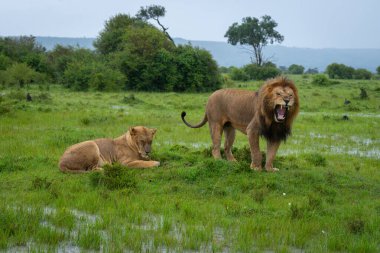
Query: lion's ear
x=153 y=130
x=132 y=131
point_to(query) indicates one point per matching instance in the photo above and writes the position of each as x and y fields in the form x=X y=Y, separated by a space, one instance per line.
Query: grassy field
x=326 y=197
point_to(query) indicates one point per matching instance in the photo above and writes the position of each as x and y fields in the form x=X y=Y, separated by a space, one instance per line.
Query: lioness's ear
x=153 y=130
x=132 y=131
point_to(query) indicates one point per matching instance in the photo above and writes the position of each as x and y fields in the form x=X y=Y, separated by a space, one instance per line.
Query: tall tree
x=110 y=39
x=154 y=12
x=256 y=33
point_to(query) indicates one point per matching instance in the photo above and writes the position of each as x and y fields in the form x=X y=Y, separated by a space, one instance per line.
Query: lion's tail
x=183 y=114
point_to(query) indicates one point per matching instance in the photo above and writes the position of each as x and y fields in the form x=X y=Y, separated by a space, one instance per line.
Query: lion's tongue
x=281 y=113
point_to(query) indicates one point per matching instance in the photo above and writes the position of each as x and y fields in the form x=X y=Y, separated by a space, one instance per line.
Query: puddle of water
x=362 y=115
x=342 y=150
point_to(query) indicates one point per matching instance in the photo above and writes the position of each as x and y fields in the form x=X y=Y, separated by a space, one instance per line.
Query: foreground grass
x=325 y=198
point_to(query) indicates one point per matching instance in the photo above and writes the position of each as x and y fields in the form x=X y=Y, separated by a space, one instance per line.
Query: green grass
x=324 y=199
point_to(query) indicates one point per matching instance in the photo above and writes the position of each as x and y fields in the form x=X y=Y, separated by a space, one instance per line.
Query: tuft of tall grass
x=115 y=177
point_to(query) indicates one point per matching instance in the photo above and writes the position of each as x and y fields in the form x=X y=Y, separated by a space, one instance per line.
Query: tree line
x=132 y=54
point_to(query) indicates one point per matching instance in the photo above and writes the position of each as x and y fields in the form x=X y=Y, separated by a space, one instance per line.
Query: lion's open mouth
x=280 y=112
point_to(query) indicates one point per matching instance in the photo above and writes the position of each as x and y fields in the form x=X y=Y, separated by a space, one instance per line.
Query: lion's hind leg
x=216 y=136
x=81 y=157
x=229 y=135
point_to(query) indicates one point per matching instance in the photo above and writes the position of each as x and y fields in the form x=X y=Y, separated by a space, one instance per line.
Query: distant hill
x=228 y=55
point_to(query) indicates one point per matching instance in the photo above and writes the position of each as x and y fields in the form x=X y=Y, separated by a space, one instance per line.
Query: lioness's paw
x=156 y=163
x=255 y=168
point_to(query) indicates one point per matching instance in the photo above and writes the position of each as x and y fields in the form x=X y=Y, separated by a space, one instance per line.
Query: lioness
x=131 y=149
x=268 y=112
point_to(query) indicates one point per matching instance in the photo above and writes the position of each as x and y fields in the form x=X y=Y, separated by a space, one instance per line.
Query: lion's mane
x=268 y=128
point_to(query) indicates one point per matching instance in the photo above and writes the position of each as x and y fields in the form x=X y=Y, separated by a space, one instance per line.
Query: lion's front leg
x=253 y=138
x=141 y=164
x=272 y=147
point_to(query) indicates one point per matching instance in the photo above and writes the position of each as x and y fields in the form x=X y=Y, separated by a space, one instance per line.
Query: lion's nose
x=286 y=101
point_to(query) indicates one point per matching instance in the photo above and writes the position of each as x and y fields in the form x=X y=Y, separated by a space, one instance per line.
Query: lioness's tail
x=183 y=114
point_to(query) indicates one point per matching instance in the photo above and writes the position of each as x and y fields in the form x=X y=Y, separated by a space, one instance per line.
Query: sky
x=303 y=23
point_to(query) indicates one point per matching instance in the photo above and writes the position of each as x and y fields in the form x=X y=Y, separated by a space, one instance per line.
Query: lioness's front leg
x=253 y=138
x=272 y=147
x=141 y=164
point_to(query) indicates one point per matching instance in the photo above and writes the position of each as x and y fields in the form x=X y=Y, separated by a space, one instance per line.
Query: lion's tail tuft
x=183 y=114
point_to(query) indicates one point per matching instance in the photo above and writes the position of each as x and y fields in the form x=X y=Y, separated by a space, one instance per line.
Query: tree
x=20 y=74
x=255 y=33
x=339 y=71
x=154 y=12
x=110 y=38
x=296 y=69
x=378 y=70
x=312 y=71
x=362 y=74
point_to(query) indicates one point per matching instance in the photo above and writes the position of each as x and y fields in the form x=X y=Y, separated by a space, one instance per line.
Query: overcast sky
x=304 y=23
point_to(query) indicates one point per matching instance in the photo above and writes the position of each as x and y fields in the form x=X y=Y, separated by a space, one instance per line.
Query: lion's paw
x=255 y=168
x=272 y=170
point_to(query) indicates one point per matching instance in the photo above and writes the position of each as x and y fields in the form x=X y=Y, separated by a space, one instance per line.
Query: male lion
x=131 y=149
x=268 y=112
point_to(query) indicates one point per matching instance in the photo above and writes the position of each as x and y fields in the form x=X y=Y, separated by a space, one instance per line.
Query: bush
x=312 y=71
x=321 y=80
x=339 y=71
x=362 y=74
x=256 y=72
x=114 y=177
x=82 y=76
x=363 y=94
x=296 y=69
x=238 y=74
x=197 y=70
x=19 y=74
x=5 y=62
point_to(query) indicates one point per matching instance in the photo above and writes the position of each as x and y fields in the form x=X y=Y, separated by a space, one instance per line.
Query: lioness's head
x=280 y=97
x=142 y=137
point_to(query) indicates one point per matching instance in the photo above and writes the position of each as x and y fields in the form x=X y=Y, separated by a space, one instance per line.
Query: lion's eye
x=278 y=93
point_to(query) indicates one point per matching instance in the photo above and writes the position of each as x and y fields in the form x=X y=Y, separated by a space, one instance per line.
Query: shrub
x=339 y=71
x=197 y=70
x=19 y=74
x=5 y=62
x=114 y=177
x=256 y=72
x=312 y=71
x=356 y=225
x=362 y=74
x=238 y=74
x=316 y=159
x=320 y=79
x=296 y=69
x=41 y=183
x=82 y=76
x=363 y=94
